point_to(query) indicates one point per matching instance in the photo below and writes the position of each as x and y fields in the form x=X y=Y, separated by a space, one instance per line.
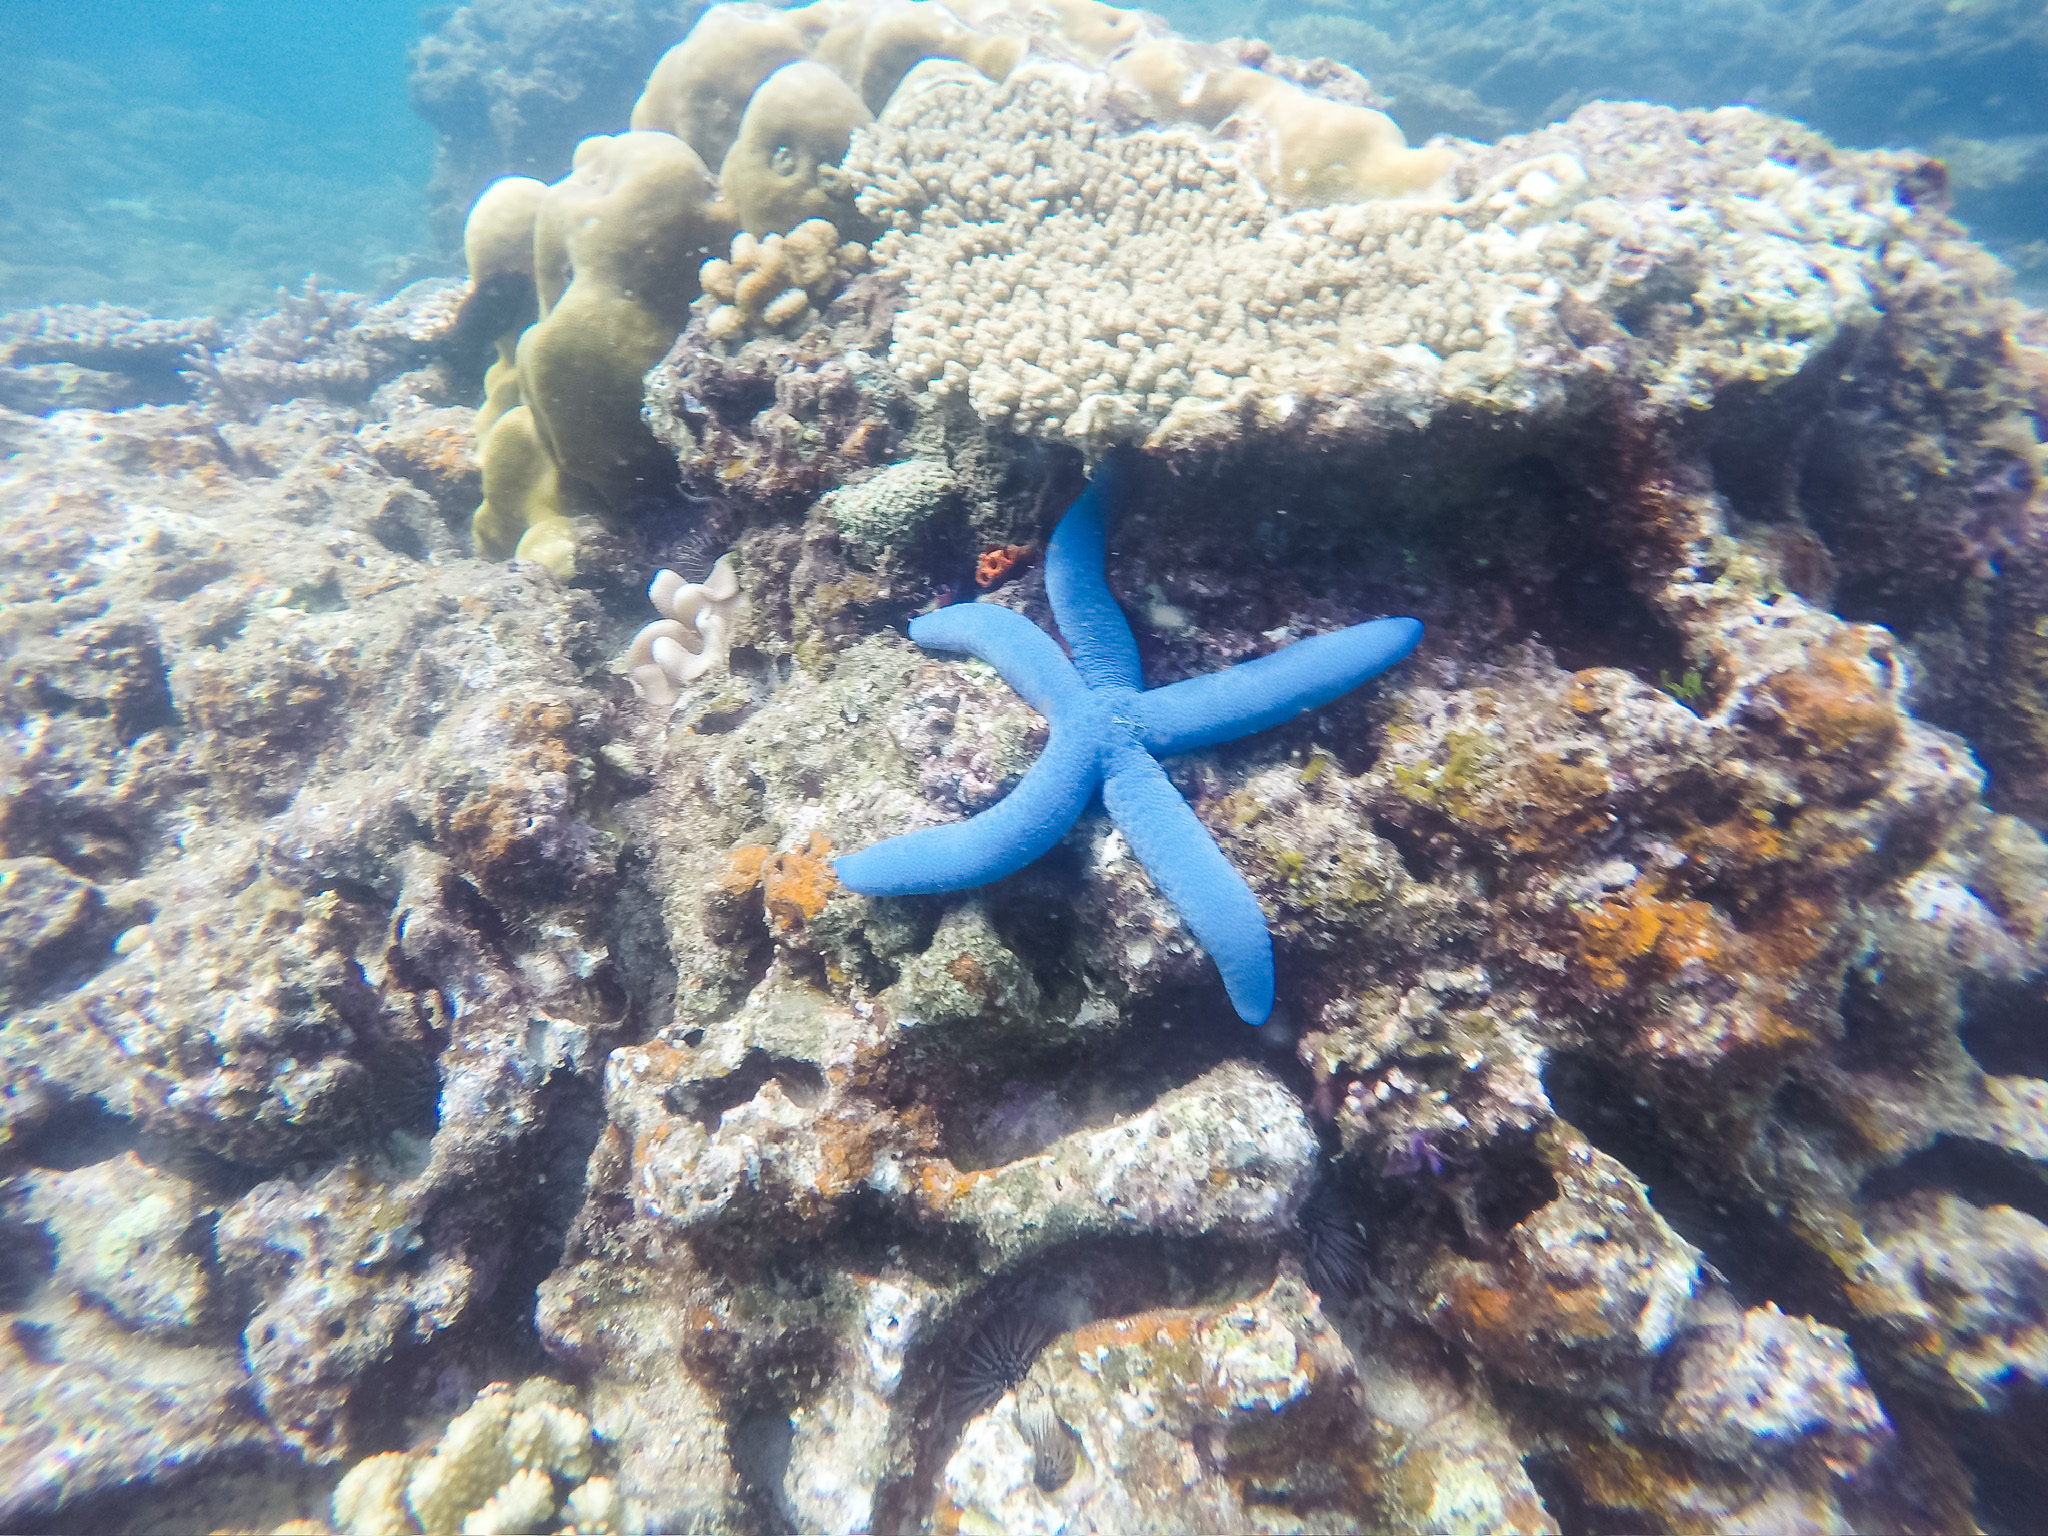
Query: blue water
x=191 y=157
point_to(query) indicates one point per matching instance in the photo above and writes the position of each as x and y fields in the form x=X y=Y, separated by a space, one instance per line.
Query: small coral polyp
x=783 y=103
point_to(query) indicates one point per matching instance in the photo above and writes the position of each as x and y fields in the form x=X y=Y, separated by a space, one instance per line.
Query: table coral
x=1203 y=296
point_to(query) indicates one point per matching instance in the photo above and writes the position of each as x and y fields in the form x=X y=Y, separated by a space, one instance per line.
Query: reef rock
x=1651 y=1129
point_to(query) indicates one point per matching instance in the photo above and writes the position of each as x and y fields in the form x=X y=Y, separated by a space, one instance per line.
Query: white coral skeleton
x=691 y=638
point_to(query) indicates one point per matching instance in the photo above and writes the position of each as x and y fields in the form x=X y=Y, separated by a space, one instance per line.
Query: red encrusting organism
x=997 y=564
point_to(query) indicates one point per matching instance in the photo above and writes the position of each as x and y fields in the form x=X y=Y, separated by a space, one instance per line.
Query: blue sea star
x=1107 y=732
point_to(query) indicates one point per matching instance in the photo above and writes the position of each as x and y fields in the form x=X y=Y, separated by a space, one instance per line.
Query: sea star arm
x=1253 y=695
x=1077 y=582
x=1192 y=873
x=1030 y=660
x=999 y=841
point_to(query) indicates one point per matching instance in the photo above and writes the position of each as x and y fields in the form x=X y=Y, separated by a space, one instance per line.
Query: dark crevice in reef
x=571 y=1111
x=1877 y=1037
x=1979 y=1172
x=759 y=1441
x=76 y=1134
x=79 y=1132
x=498 y=1340
x=2006 y=1456
x=1566 y=1502
x=1492 y=544
x=28 y=1257
x=1467 y=1204
x=1758 y=441
x=2005 y=1025
x=253 y=1489
x=708 y=1098
x=1753 y=1249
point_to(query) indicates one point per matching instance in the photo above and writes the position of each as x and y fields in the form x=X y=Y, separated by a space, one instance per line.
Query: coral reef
x=99 y=357
x=1203 y=300
x=1648 y=1132
x=297 y=805
x=1872 y=72
x=317 y=342
x=776 y=98
x=617 y=246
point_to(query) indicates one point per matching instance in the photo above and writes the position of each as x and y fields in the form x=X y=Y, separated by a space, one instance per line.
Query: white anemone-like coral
x=691 y=636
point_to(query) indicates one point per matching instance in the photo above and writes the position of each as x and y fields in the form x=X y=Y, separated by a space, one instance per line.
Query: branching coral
x=778 y=283
x=493 y=1472
x=66 y=354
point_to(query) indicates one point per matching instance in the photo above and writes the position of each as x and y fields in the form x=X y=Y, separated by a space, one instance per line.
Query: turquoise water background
x=191 y=157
